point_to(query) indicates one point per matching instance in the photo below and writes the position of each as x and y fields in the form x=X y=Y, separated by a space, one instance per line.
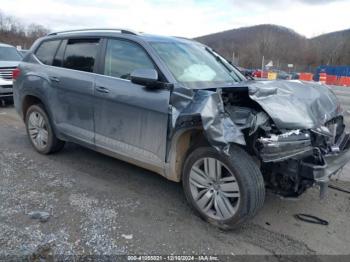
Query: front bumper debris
x=328 y=165
x=288 y=145
x=331 y=165
x=297 y=160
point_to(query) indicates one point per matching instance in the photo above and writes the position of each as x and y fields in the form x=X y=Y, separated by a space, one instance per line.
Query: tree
x=15 y=33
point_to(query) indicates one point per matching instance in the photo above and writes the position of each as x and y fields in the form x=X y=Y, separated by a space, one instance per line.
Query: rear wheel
x=40 y=131
x=224 y=190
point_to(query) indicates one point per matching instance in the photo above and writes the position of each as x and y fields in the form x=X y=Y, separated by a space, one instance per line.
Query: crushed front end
x=295 y=148
x=298 y=159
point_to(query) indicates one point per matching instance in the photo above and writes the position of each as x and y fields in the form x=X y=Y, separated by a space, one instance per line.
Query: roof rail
x=123 y=31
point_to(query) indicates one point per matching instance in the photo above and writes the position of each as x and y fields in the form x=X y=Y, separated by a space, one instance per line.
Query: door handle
x=102 y=89
x=54 y=79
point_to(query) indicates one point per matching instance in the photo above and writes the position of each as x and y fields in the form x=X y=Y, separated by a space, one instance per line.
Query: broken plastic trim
x=311 y=219
x=339 y=189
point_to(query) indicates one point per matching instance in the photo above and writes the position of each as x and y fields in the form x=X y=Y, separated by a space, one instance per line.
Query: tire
x=241 y=184
x=9 y=100
x=38 y=128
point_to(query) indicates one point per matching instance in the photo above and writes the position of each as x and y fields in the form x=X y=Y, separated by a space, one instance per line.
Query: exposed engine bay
x=291 y=160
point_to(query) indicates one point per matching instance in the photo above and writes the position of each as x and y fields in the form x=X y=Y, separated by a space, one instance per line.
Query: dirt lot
x=99 y=205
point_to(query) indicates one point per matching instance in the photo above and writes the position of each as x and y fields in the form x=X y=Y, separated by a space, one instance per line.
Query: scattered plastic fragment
x=311 y=219
x=128 y=237
x=41 y=215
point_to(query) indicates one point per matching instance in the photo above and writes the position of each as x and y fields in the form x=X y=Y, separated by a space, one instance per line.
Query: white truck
x=9 y=59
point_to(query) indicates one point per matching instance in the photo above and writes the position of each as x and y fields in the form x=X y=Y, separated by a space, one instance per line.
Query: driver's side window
x=123 y=57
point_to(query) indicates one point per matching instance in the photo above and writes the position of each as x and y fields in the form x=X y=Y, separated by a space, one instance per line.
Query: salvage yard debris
x=339 y=189
x=41 y=215
x=128 y=237
x=311 y=219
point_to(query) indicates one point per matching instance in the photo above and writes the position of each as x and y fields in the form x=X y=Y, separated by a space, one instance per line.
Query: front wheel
x=224 y=190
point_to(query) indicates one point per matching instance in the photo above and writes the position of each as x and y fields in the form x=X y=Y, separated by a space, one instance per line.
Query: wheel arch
x=28 y=101
x=182 y=141
x=32 y=88
x=32 y=98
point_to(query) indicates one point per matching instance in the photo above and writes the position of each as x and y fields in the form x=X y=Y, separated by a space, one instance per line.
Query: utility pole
x=262 y=64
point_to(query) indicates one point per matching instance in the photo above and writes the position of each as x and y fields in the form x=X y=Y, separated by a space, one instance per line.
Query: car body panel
x=73 y=99
x=295 y=104
x=131 y=118
x=145 y=126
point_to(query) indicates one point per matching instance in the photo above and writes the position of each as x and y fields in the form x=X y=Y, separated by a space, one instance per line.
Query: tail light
x=16 y=73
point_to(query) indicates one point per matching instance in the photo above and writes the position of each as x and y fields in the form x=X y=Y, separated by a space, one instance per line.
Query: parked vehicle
x=260 y=74
x=247 y=72
x=9 y=59
x=23 y=52
x=176 y=107
x=282 y=75
x=295 y=76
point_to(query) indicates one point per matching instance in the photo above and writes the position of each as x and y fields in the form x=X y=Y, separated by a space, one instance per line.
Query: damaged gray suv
x=176 y=107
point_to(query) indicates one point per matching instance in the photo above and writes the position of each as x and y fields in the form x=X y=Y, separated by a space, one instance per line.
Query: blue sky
x=189 y=18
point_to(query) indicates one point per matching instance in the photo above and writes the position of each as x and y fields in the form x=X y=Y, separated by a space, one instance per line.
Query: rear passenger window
x=81 y=54
x=46 y=51
x=123 y=57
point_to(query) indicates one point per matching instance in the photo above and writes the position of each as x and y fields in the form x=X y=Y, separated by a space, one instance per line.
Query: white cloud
x=304 y=16
x=188 y=18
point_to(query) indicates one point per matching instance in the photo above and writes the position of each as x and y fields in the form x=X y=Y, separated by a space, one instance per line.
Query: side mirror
x=145 y=77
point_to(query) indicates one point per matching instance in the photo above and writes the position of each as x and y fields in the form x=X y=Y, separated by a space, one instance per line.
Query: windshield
x=195 y=65
x=9 y=54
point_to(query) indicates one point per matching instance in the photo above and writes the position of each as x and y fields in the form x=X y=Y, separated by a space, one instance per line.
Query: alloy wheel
x=214 y=188
x=37 y=129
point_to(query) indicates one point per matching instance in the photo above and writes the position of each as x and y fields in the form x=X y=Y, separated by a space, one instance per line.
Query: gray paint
x=71 y=98
x=138 y=124
x=134 y=116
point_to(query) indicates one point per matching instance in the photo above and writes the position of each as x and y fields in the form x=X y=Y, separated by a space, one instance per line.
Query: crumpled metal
x=295 y=104
x=290 y=104
x=218 y=127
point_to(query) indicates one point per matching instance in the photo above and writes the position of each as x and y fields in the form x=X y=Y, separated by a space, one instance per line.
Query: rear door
x=130 y=120
x=73 y=80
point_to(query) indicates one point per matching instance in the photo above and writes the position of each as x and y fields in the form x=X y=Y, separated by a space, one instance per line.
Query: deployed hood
x=9 y=63
x=295 y=104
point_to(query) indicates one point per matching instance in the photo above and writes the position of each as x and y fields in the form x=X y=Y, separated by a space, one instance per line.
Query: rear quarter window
x=46 y=51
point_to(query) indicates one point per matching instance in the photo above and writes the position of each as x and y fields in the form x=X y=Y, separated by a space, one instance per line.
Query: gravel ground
x=98 y=205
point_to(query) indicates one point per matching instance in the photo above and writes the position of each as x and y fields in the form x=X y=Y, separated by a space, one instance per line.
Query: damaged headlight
x=283 y=146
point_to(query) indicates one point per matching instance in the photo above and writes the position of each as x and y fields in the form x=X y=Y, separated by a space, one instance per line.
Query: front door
x=130 y=120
